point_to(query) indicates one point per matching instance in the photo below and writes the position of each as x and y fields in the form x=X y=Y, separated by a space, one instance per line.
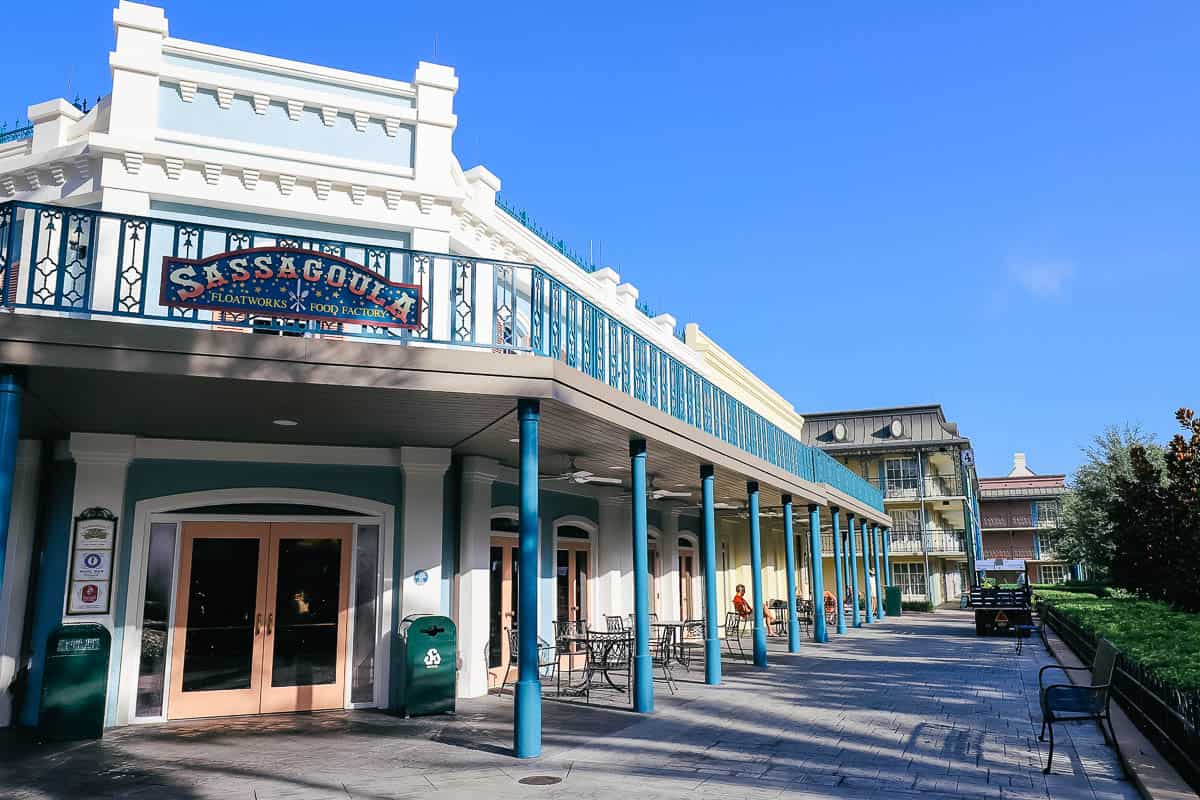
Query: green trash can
x=74 y=682
x=428 y=670
x=891 y=601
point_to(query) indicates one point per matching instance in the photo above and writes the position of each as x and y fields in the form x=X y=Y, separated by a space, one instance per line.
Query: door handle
x=257 y=624
x=270 y=619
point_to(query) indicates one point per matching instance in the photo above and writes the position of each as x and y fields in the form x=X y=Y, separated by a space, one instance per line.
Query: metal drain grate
x=540 y=780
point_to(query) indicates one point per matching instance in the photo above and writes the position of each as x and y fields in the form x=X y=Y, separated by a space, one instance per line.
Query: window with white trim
x=910 y=577
x=901 y=477
x=1047 y=513
x=1053 y=573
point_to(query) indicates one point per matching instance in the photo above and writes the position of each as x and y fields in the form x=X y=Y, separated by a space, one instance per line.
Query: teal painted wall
x=49 y=571
x=553 y=505
x=157 y=478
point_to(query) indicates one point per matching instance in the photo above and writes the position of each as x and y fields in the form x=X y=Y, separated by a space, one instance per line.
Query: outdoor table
x=589 y=642
x=677 y=652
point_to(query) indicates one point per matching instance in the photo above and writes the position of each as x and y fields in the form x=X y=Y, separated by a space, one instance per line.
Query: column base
x=643 y=684
x=527 y=719
x=712 y=662
x=760 y=648
x=794 y=635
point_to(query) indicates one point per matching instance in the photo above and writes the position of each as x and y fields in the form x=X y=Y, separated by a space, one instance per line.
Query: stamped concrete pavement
x=916 y=705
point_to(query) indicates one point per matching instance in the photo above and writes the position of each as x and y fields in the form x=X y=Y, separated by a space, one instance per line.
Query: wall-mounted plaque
x=92 y=547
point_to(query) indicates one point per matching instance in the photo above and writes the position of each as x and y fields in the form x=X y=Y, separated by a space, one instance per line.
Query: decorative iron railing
x=1006 y=551
x=1006 y=521
x=912 y=542
x=15 y=134
x=946 y=541
x=109 y=266
x=909 y=488
x=827 y=469
x=943 y=486
x=523 y=217
x=905 y=543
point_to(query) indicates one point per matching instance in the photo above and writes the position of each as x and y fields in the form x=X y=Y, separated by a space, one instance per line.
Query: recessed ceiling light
x=616 y=468
x=515 y=441
x=681 y=486
x=285 y=423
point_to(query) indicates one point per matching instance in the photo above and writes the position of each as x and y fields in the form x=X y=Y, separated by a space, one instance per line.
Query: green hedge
x=1097 y=589
x=1051 y=595
x=1161 y=639
x=916 y=605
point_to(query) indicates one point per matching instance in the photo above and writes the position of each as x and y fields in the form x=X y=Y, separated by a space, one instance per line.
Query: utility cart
x=1003 y=600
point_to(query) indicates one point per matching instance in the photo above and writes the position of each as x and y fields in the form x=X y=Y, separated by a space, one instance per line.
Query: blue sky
x=995 y=208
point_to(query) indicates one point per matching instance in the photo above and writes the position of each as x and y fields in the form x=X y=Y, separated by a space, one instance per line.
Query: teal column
x=643 y=674
x=868 y=617
x=820 y=634
x=875 y=548
x=712 y=644
x=10 y=435
x=760 y=628
x=838 y=568
x=852 y=557
x=789 y=549
x=887 y=556
x=847 y=564
x=527 y=706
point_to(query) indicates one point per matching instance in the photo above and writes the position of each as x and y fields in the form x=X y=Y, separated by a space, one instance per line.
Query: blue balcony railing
x=15 y=134
x=82 y=262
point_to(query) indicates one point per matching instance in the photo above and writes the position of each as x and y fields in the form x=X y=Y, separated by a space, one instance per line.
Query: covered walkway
x=915 y=706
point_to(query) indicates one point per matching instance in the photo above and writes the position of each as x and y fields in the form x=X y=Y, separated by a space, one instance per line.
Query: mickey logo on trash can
x=433 y=659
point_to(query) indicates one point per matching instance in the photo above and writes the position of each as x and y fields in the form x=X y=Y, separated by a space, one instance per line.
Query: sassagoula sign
x=289 y=282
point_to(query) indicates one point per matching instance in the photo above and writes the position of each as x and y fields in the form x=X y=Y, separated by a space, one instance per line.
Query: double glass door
x=503 y=587
x=571 y=586
x=260 y=618
x=687 y=567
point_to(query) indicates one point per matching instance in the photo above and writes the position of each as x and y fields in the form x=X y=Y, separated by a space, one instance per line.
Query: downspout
x=924 y=533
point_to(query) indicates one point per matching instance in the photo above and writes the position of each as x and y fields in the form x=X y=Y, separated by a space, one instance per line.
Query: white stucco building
x=285 y=487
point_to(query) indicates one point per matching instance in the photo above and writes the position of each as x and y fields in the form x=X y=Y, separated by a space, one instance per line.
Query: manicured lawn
x=1165 y=641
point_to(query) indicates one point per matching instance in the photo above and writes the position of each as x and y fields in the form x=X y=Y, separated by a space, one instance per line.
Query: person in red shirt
x=744 y=609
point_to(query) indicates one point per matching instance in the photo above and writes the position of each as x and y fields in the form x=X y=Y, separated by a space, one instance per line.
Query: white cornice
x=299 y=69
x=727 y=370
x=173 y=75
x=493 y=227
x=257 y=452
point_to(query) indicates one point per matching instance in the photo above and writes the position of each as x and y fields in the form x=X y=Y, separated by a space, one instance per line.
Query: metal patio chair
x=691 y=643
x=779 y=617
x=1066 y=702
x=804 y=614
x=614 y=624
x=547 y=658
x=568 y=634
x=608 y=655
x=733 y=634
x=662 y=649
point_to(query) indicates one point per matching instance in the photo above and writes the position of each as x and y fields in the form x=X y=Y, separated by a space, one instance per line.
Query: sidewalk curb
x=1152 y=774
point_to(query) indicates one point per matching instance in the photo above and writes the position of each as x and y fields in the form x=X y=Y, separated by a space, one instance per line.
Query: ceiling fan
x=582 y=476
x=661 y=494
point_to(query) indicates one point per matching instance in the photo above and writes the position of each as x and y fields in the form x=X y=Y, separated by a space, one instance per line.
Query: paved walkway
x=915 y=706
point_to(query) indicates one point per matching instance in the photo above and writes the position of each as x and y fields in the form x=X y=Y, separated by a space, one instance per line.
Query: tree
x=1088 y=535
